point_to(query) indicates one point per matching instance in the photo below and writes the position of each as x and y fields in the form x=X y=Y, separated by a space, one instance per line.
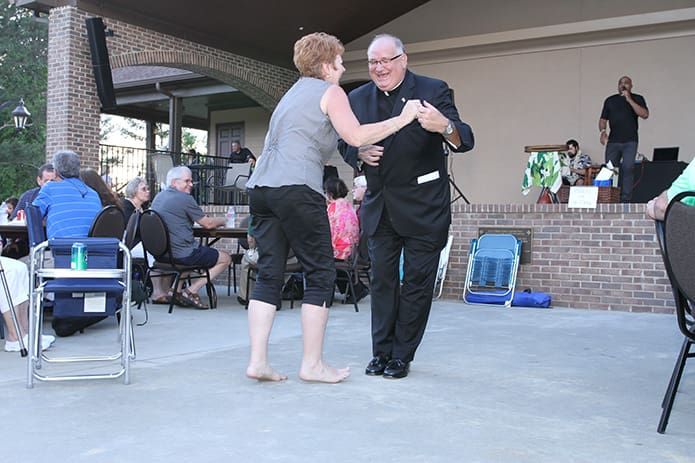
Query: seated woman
x=137 y=194
x=17 y=277
x=93 y=180
x=345 y=229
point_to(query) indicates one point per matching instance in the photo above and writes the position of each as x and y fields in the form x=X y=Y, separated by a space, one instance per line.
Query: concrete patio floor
x=487 y=385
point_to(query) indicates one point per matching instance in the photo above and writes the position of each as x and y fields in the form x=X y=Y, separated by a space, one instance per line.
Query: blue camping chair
x=493 y=262
x=99 y=290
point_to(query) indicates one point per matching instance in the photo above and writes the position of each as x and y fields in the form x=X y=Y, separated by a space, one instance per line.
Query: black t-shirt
x=621 y=117
x=241 y=156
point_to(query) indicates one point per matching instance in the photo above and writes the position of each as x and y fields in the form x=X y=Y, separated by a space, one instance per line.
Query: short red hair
x=313 y=50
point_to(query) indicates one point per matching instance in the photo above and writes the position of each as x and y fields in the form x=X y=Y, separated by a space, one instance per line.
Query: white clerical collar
x=386 y=92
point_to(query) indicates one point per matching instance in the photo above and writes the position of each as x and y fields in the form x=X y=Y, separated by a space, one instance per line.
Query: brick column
x=72 y=106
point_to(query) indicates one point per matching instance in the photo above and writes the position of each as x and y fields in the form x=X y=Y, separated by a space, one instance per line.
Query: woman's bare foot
x=323 y=373
x=264 y=373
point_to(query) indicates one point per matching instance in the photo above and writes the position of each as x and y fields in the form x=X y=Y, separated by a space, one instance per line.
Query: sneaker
x=46 y=341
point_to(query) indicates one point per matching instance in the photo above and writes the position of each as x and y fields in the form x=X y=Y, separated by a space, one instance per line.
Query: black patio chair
x=675 y=235
x=350 y=270
x=156 y=241
x=109 y=223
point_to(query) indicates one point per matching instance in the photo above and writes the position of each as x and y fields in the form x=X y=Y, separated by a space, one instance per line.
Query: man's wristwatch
x=449 y=129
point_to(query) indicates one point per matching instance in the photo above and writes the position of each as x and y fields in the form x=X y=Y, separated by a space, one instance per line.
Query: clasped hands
x=427 y=116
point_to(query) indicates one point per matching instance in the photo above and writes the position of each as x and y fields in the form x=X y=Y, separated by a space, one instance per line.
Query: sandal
x=163 y=299
x=192 y=299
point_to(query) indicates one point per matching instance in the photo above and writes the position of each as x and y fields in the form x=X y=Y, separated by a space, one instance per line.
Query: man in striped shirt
x=68 y=205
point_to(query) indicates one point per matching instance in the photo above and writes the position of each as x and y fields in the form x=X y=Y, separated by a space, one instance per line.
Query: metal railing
x=125 y=163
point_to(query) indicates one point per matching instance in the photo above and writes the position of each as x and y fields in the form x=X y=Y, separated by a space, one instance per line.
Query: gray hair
x=131 y=189
x=66 y=164
x=176 y=172
x=396 y=41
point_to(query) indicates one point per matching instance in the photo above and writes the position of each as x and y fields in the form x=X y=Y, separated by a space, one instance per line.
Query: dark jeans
x=623 y=155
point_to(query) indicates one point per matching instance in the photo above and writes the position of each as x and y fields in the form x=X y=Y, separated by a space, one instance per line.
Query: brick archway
x=260 y=81
x=73 y=110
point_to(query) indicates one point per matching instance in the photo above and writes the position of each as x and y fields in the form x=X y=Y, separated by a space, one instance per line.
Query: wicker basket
x=606 y=194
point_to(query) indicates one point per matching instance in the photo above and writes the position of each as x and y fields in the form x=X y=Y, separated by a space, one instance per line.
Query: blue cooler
x=603 y=182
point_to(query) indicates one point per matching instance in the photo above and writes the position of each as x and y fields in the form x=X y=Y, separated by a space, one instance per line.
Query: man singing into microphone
x=620 y=111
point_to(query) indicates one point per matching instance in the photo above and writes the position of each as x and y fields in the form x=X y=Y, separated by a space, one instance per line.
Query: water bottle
x=3 y=212
x=231 y=217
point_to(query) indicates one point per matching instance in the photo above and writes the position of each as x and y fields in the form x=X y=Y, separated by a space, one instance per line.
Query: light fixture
x=19 y=115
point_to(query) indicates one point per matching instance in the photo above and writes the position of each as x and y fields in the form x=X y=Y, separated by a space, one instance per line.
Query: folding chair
x=441 y=268
x=493 y=262
x=675 y=237
x=101 y=289
x=109 y=223
x=235 y=180
x=35 y=229
x=156 y=241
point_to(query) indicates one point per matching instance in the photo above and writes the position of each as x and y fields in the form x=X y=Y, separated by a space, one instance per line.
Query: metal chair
x=156 y=241
x=35 y=229
x=99 y=290
x=356 y=265
x=441 y=268
x=675 y=237
x=235 y=181
x=291 y=267
x=493 y=262
x=109 y=223
x=131 y=238
x=161 y=164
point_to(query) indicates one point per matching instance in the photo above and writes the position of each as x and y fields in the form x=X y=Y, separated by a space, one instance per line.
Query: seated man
x=17 y=277
x=574 y=164
x=180 y=211
x=46 y=174
x=69 y=207
x=656 y=208
x=240 y=154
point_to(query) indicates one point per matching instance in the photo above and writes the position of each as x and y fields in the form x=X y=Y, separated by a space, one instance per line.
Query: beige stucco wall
x=255 y=122
x=546 y=84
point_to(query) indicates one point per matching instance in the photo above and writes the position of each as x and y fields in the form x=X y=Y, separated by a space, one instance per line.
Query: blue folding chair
x=493 y=262
x=102 y=289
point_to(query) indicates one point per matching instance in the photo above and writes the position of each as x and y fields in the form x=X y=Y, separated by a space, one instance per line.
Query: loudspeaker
x=100 y=62
x=651 y=178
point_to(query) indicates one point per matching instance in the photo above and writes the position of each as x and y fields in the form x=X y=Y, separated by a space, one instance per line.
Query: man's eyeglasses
x=383 y=61
x=185 y=180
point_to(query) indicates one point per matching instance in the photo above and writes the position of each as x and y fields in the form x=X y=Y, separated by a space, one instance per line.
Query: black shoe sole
x=373 y=373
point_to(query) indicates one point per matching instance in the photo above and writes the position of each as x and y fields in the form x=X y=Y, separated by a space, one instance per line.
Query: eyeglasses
x=185 y=180
x=383 y=61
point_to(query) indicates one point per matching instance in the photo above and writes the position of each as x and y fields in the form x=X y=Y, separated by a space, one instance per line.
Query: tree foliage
x=23 y=74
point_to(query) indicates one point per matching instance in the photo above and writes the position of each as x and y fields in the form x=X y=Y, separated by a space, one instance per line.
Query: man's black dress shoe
x=376 y=366
x=396 y=368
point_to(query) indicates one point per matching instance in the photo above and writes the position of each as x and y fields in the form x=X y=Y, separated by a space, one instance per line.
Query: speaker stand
x=460 y=194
